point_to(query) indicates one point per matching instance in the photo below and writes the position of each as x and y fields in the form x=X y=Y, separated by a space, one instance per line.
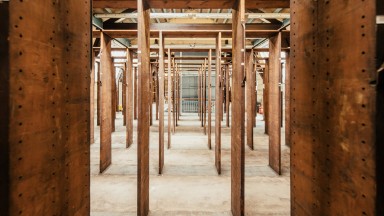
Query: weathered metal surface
x=379 y=108
x=254 y=95
x=204 y=74
x=150 y=89
x=143 y=109
x=161 y=103
x=210 y=99
x=157 y=92
x=274 y=108
x=333 y=105
x=201 y=96
x=106 y=70
x=113 y=97
x=266 y=96
x=249 y=95
x=287 y=100
x=380 y=137
x=193 y=4
x=227 y=88
x=222 y=89
x=124 y=94
x=129 y=98
x=169 y=82
x=199 y=93
x=174 y=97
x=176 y=101
x=238 y=110
x=92 y=101
x=218 y=103
x=135 y=98
x=44 y=91
x=5 y=117
x=98 y=93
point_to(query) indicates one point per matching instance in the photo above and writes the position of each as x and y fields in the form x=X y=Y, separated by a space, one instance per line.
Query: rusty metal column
x=222 y=91
x=129 y=98
x=228 y=86
x=92 y=100
x=266 y=96
x=201 y=96
x=124 y=95
x=218 y=104
x=238 y=109
x=98 y=93
x=198 y=94
x=287 y=100
x=174 y=96
x=249 y=101
x=224 y=88
x=169 y=82
x=179 y=106
x=205 y=96
x=45 y=107
x=113 y=97
x=177 y=98
x=161 y=102
x=254 y=94
x=157 y=92
x=333 y=109
x=143 y=108
x=135 y=82
x=106 y=66
x=210 y=99
x=274 y=121
x=150 y=87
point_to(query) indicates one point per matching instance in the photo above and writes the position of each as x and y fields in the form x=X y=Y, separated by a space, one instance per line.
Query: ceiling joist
x=192 y=4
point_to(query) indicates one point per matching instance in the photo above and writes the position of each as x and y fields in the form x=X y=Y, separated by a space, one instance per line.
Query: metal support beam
x=210 y=99
x=274 y=109
x=129 y=98
x=106 y=73
x=161 y=103
x=287 y=100
x=92 y=100
x=192 y=4
x=98 y=93
x=335 y=159
x=196 y=15
x=227 y=94
x=144 y=100
x=238 y=110
x=169 y=82
x=248 y=98
x=135 y=92
x=266 y=96
x=218 y=103
x=98 y=23
x=45 y=108
x=124 y=87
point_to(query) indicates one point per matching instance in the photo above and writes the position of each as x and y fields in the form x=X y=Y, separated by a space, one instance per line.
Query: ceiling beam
x=195 y=15
x=129 y=30
x=187 y=34
x=191 y=4
x=197 y=49
x=197 y=27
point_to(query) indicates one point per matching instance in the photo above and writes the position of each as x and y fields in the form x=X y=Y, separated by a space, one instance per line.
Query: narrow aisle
x=190 y=184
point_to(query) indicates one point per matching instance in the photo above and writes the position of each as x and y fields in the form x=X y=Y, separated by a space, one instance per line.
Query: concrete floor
x=190 y=184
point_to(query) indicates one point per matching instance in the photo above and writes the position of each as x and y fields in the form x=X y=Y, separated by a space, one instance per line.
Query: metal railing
x=191 y=105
